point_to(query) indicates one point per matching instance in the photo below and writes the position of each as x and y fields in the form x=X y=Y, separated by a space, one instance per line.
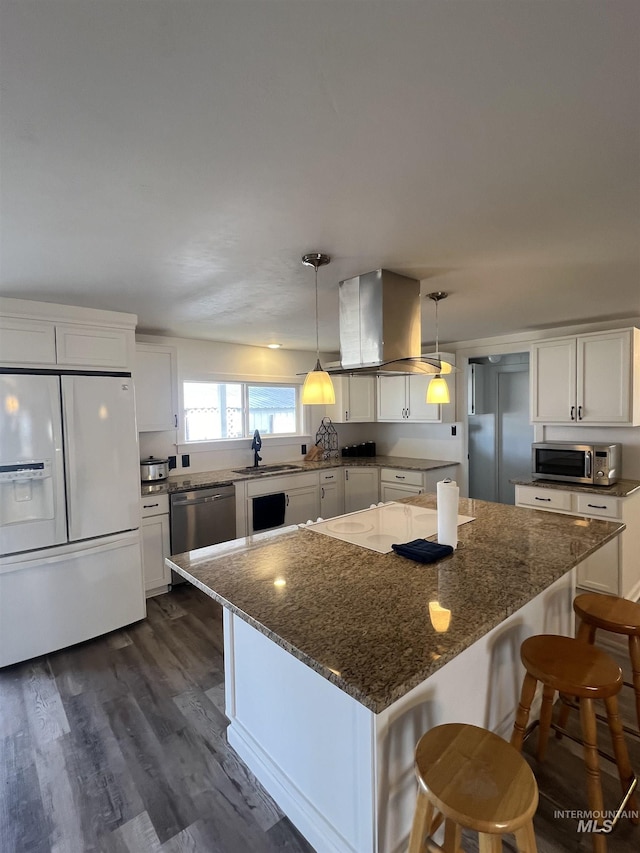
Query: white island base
x=343 y=774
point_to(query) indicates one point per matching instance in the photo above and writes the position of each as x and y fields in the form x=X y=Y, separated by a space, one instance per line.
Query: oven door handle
x=587 y=464
x=193 y=501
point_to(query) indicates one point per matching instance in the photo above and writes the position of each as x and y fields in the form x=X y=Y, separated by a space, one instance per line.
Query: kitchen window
x=223 y=410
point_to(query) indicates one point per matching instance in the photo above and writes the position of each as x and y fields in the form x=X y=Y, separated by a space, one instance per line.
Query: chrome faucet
x=256 y=444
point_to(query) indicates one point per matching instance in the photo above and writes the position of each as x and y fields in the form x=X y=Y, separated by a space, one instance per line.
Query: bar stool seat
x=575 y=669
x=618 y=616
x=472 y=779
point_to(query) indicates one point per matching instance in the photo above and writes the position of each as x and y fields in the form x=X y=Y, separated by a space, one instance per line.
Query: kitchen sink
x=266 y=469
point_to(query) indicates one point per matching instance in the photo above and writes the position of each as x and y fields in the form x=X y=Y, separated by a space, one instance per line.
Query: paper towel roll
x=448 y=494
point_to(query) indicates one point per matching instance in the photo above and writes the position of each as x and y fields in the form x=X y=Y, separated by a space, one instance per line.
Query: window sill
x=241 y=443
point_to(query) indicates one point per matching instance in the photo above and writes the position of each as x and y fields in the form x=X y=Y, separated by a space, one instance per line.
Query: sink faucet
x=256 y=444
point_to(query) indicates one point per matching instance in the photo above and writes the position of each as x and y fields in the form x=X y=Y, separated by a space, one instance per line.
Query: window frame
x=228 y=443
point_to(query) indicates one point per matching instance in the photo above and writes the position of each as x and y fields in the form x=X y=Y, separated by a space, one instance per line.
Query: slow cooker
x=153 y=469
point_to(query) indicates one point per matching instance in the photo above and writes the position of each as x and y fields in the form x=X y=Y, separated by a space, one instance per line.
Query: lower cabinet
x=155 y=543
x=360 y=488
x=614 y=568
x=301 y=505
x=331 y=493
x=396 y=484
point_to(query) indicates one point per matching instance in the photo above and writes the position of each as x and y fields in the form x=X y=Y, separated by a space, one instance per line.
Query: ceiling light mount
x=315 y=260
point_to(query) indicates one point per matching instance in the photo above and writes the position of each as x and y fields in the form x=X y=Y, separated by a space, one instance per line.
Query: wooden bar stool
x=470 y=778
x=585 y=673
x=618 y=616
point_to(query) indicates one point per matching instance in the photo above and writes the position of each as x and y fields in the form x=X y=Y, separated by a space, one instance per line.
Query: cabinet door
x=331 y=500
x=301 y=505
x=339 y=411
x=600 y=571
x=156 y=388
x=392 y=398
x=604 y=378
x=360 y=488
x=417 y=407
x=553 y=381
x=155 y=547
x=362 y=399
x=26 y=341
x=92 y=347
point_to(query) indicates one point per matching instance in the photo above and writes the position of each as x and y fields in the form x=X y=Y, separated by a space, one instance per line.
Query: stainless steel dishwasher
x=201 y=517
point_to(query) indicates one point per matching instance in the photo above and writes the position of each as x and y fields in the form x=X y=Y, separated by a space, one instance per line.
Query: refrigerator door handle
x=69 y=453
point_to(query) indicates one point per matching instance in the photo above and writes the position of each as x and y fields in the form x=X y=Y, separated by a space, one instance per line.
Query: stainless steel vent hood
x=380 y=326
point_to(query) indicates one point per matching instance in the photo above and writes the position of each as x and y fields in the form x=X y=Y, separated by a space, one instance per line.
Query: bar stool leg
x=526 y=839
x=634 y=654
x=489 y=843
x=545 y=720
x=620 y=750
x=452 y=837
x=590 y=750
x=586 y=634
x=522 y=716
x=422 y=820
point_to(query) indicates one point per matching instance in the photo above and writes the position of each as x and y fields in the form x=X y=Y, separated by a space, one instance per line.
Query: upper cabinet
x=355 y=400
x=587 y=379
x=156 y=388
x=403 y=398
x=42 y=334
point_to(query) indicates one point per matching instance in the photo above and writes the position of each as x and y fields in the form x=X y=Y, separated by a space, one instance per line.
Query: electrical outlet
x=303 y=449
x=172 y=462
x=185 y=460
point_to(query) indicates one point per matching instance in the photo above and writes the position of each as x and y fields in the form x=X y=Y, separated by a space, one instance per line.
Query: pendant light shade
x=318 y=387
x=438 y=390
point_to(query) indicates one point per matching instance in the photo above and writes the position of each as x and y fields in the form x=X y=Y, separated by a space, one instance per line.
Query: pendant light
x=438 y=390
x=318 y=387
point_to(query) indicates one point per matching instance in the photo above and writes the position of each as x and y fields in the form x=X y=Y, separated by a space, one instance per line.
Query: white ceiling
x=175 y=159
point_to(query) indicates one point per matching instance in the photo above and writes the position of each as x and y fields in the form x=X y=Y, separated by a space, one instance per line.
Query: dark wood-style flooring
x=118 y=745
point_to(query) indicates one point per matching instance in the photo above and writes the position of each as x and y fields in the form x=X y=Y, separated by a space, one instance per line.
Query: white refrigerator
x=70 y=555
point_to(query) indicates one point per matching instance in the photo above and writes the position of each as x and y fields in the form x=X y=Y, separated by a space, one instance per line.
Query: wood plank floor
x=118 y=745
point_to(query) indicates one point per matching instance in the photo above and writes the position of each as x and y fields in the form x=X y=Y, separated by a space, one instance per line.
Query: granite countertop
x=361 y=619
x=183 y=482
x=621 y=489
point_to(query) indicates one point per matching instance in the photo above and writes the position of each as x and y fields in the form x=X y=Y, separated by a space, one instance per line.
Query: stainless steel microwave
x=595 y=464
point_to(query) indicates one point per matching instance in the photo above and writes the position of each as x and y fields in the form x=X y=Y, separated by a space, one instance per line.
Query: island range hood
x=380 y=327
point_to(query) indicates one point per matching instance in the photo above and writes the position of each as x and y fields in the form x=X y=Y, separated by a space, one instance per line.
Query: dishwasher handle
x=184 y=501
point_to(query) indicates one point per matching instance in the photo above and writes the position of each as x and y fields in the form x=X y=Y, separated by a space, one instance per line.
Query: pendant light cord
x=317 y=332
x=437 y=346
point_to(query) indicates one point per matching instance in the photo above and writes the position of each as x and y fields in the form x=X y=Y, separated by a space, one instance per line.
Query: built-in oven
x=201 y=517
x=564 y=461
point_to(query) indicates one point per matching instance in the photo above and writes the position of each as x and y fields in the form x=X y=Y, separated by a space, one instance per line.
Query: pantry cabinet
x=614 y=568
x=156 y=387
x=355 y=400
x=587 y=379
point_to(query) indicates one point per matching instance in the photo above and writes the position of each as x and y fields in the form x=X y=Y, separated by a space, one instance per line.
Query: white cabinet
x=396 y=484
x=404 y=398
x=301 y=496
x=331 y=493
x=360 y=488
x=25 y=341
x=90 y=346
x=355 y=400
x=45 y=334
x=156 y=387
x=301 y=504
x=587 y=379
x=155 y=543
x=614 y=568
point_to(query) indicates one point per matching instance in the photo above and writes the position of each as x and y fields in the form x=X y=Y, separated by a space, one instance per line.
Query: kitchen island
x=334 y=667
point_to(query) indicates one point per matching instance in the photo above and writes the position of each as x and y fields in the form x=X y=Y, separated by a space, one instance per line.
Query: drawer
x=545 y=498
x=594 y=505
x=265 y=484
x=154 y=505
x=332 y=476
x=393 y=475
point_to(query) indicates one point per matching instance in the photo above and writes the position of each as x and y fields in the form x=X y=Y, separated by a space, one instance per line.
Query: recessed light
x=274 y=346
